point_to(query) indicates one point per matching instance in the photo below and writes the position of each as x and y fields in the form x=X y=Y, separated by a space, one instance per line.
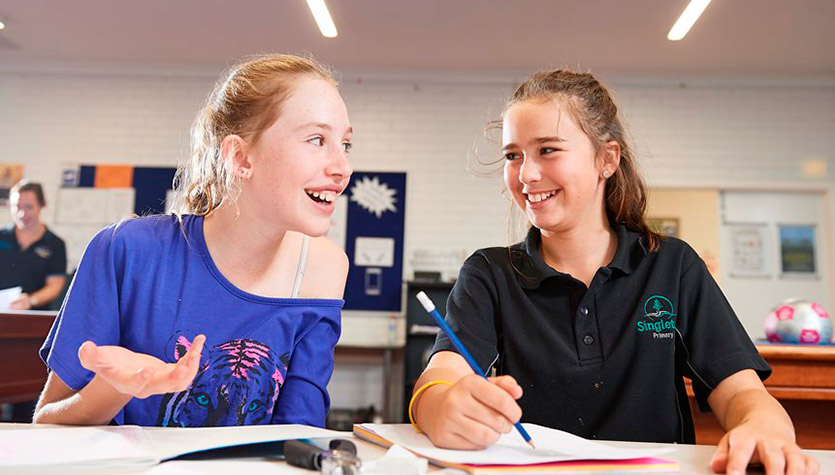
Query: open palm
x=140 y=375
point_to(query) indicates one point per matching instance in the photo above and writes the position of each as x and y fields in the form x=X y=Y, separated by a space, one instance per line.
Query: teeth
x=327 y=196
x=537 y=197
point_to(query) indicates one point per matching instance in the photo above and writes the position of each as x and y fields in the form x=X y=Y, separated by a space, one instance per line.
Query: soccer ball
x=798 y=321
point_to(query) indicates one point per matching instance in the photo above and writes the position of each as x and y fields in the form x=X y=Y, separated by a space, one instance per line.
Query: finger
x=488 y=416
x=720 y=456
x=509 y=384
x=476 y=431
x=812 y=465
x=795 y=462
x=772 y=458
x=739 y=454
x=499 y=400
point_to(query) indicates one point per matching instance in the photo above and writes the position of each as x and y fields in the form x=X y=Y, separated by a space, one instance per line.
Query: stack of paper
x=555 y=451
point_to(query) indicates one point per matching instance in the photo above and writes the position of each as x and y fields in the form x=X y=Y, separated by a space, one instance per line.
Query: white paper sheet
x=132 y=445
x=7 y=296
x=552 y=445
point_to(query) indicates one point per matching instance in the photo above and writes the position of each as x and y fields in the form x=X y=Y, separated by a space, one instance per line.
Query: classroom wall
x=688 y=133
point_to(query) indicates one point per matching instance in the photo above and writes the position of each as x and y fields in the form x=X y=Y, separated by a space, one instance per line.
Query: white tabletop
x=692 y=459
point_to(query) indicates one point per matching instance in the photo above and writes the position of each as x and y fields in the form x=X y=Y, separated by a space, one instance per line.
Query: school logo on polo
x=659 y=317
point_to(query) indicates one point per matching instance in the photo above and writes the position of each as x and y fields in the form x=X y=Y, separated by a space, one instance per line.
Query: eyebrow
x=321 y=125
x=538 y=140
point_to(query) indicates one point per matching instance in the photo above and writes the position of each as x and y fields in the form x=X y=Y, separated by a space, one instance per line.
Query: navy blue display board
x=374 y=240
x=151 y=185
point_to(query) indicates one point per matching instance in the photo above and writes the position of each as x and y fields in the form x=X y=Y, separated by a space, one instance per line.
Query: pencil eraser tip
x=425 y=301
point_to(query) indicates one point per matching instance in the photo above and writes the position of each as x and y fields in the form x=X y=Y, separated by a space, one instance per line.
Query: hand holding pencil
x=475 y=410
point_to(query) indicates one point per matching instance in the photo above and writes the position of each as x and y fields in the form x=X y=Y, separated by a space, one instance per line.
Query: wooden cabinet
x=22 y=373
x=804 y=382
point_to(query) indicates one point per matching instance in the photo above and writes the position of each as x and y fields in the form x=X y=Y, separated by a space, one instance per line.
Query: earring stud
x=606 y=174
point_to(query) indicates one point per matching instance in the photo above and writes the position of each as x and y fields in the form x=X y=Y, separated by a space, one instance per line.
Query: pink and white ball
x=798 y=321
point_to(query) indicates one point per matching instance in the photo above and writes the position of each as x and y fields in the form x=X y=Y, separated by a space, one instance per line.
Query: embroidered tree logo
x=658 y=307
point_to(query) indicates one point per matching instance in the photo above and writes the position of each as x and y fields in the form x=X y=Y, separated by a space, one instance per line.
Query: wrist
x=428 y=390
x=33 y=301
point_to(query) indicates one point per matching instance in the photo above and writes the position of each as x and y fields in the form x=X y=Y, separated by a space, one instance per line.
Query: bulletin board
x=94 y=196
x=369 y=223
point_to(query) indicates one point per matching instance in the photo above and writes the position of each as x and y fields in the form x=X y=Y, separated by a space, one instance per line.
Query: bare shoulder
x=326 y=270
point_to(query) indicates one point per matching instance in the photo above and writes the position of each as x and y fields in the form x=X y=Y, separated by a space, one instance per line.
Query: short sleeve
x=303 y=398
x=471 y=309
x=58 y=260
x=715 y=343
x=90 y=311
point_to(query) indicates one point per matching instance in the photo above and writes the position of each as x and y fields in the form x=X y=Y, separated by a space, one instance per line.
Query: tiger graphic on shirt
x=237 y=384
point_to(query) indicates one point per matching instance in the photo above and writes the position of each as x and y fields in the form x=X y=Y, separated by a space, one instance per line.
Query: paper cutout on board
x=375 y=197
x=374 y=252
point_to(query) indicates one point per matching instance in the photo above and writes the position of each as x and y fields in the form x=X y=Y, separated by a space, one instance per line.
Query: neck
x=32 y=229
x=581 y=250
x=241 y=244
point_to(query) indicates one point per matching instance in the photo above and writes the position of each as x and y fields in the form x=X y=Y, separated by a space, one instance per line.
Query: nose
x=529 y=171
x=339 y=166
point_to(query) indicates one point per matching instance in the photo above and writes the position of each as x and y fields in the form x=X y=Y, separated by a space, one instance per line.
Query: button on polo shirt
x=608 y=360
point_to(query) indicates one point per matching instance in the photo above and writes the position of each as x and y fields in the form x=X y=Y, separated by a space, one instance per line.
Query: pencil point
x=530 y=442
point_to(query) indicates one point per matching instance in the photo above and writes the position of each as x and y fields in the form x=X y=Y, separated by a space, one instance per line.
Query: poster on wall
x=369 y=221
x=749 y=257
x=665 y=226
x=797 y=250
x=10 y=173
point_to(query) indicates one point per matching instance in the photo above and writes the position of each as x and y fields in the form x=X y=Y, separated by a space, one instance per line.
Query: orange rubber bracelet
x=416 y=394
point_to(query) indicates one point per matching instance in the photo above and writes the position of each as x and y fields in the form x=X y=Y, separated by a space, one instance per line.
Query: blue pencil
x=430 y=307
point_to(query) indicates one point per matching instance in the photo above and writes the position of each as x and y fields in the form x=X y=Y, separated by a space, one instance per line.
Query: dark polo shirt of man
x=29 y=268
x=608 y=361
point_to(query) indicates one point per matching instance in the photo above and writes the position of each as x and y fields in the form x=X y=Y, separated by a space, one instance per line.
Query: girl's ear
x=234 y=154
x=610 y=154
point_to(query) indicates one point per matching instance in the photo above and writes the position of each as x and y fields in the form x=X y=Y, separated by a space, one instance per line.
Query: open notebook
x=556 y=451
x=112 y=446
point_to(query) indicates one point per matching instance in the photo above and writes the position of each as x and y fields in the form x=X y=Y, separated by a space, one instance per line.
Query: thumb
x=720 y=457
x=509 y=384
x=87 y=353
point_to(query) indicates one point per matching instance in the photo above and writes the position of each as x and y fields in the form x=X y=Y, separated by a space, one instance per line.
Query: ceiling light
x=322 y=17
x=2 y=25
x=686 y=20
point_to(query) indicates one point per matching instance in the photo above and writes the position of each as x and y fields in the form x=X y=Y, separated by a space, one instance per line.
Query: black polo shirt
x=29 y=268
x=604 y=362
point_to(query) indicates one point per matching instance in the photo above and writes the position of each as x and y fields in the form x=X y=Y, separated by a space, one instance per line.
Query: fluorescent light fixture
x=2 y=25
x=686 y=20
x=322 y=17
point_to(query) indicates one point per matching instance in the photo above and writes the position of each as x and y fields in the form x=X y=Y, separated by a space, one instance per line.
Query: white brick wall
x=708 y=133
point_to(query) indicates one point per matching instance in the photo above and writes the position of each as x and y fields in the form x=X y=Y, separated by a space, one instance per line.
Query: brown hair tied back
x=591 y=105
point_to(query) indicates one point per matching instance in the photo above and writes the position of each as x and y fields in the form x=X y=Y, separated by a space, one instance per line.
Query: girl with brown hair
x=592 y=322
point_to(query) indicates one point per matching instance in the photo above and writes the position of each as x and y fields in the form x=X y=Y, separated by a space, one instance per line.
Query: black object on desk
x=340 y=458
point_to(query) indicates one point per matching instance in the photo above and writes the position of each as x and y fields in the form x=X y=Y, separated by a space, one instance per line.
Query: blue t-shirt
x=150 y=285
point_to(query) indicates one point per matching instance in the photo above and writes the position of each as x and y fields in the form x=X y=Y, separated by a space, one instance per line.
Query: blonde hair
x=245 y=102
x=591 y=105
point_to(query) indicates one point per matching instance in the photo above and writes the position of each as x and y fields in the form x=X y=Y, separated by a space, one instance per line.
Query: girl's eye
x=547 y=150
x=347 y=146
x=510 y=156
x=318 y=141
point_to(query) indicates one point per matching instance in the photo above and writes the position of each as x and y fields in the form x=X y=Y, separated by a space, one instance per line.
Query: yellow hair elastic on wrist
x=415 y=396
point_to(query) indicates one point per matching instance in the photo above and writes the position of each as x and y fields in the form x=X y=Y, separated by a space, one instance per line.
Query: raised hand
x=140 y=375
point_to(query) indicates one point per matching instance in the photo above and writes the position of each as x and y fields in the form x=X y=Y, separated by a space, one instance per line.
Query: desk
x=804 y=382
x=22 y=374
x=693 y=459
